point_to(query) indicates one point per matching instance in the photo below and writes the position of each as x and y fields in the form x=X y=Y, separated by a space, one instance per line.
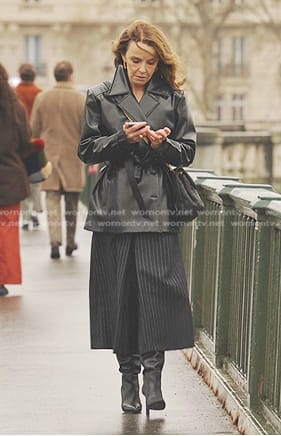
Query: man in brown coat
x=57 y=118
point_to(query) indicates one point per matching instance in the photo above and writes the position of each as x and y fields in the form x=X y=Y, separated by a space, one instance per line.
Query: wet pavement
x=52 y=383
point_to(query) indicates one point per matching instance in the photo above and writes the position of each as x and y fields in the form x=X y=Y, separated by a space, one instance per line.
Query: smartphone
x=132 y=123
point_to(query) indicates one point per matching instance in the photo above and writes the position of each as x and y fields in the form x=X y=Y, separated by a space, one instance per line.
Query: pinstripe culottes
x=138 y=293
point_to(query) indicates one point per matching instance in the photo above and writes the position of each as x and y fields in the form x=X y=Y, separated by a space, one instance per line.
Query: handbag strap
x=134 y=186
x=127 y=114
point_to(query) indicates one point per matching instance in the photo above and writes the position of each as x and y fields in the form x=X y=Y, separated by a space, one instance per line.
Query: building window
x=239 y=55
x=219 y=108
x=33 y=52
x=230 y=56
x=238 y=107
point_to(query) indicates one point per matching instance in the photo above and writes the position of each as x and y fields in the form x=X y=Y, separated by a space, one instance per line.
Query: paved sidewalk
x=50 y=381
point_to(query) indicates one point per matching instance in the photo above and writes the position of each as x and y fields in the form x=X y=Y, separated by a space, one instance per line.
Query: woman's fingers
x=157 y=137
x=135 y=131
x=167 y=130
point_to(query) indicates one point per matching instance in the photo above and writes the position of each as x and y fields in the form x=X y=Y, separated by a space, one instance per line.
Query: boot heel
x=153 y=363
x=160 y=405
x=152 y=391
x=147 y=411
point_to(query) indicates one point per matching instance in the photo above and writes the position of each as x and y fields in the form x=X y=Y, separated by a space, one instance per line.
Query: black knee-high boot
x=153 y=363
x=130 y=367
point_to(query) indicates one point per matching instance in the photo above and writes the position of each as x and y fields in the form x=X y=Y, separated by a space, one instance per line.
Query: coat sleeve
x=35 y=120
x=94 y=147
x=179 y=148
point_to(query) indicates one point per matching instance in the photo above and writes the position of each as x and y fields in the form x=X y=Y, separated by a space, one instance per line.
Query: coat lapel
x=130 y=106
x=125 y=100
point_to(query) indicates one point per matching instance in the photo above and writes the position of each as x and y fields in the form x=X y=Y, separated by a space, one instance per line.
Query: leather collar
x=121 y=92
x=120 y=84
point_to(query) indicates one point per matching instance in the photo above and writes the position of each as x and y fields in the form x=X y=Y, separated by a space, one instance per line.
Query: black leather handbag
x=184 y=201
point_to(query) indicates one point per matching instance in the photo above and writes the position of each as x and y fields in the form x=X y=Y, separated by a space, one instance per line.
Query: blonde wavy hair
x=169 y=66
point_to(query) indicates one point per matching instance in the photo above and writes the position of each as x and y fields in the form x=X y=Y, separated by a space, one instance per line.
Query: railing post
x=260 y=300
x=222 y=324
x=208 y=258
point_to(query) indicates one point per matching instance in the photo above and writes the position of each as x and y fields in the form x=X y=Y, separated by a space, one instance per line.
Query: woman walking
x=14 y=185
x=137 y=124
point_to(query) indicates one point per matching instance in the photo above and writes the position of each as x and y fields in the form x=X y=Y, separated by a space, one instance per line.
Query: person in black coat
x=134 y=126
x=15 y=146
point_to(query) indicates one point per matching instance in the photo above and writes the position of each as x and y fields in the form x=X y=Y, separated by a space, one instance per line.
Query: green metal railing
x=235 y=287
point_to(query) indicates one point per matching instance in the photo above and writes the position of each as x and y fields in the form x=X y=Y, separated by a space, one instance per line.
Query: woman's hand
x=157 y=137
x=138 y=130
x=135 y=131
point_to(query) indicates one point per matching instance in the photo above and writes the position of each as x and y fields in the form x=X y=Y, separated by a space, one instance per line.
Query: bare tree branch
x=275 y=27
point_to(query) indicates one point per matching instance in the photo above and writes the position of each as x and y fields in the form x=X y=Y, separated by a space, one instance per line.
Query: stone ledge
x=241 y=416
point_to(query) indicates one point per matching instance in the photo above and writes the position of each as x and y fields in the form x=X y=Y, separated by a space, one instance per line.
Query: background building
x=231 y=53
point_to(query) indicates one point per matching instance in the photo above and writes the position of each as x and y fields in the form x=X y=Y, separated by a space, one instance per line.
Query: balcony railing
x=233 y=70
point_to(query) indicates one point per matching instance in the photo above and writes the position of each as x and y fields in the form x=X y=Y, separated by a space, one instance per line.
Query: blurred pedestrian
x=137 y=124
x=57 y=118
x=15 y=144
x=26 y=91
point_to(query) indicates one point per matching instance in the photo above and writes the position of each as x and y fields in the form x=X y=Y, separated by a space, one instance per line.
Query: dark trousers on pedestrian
x=54 y=213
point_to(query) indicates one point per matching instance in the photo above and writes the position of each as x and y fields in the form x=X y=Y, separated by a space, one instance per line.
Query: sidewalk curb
x=239 y=413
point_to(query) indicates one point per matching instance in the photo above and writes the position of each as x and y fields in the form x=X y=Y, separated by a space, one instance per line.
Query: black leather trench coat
x=113 y=206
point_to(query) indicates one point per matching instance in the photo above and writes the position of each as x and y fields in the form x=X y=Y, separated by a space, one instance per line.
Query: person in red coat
x=26 y=91
x=15 y=145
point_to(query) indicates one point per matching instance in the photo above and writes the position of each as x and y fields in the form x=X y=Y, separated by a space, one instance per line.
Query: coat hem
x=161 y=348
x=131 y=230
